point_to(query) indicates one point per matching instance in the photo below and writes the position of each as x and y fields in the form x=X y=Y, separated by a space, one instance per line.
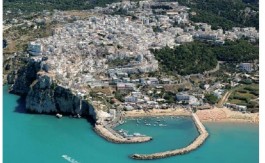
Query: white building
x=112 y=112
x=130 y=99
x=184 y=38
x=182 y=97
x=248 y=67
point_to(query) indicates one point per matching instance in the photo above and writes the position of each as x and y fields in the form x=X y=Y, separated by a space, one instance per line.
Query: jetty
x=194 y=145
x=114 y=137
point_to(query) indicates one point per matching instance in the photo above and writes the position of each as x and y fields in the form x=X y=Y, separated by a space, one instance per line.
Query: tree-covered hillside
x=197 y=57
x=225 y=13
x=39 y=5
x=186 y=59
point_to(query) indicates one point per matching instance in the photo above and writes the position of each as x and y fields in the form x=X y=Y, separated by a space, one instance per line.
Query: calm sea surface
x=33 y=138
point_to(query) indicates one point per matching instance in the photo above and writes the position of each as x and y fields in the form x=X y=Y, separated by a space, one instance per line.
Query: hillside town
x=105 y=56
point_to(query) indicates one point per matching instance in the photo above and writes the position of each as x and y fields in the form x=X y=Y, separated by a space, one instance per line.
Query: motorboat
x=59 y=115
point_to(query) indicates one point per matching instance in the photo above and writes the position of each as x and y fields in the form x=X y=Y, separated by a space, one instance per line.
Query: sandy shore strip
x=116 y=138
x=194 y=145
x=157 y=112
x=226 y=115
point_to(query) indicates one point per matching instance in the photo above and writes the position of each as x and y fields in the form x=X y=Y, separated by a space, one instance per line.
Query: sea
x=32 y=138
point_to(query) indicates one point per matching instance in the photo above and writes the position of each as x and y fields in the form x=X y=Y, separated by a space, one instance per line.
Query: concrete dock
x=117 y=138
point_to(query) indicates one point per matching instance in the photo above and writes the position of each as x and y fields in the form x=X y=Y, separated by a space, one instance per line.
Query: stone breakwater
x=116 y=138
x=194 y=145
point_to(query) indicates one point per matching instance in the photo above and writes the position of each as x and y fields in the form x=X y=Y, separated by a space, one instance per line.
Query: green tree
x=210 y=98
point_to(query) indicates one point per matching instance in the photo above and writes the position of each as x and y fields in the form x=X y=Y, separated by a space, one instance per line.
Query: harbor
x=194 y=145
x=106 y=130
x=105 y=127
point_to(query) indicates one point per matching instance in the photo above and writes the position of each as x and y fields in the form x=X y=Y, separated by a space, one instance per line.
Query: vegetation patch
x=245 y=95
x=210 y=98
x=198 y=57
x=37 y=5
x=186 y=59
x=224 y=13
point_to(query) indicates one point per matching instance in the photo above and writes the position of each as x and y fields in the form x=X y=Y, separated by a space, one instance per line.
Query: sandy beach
x=157 y=112
x=226 y=115
x=210 y=115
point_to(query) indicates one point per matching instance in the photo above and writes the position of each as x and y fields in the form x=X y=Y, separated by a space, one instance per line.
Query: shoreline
x=157 y=112
x=226 y=115
x=230 y=121
x=210 y=115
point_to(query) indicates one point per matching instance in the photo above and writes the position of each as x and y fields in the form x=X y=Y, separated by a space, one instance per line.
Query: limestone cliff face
x=43 y=95
x=40 y=97
x=25 y=76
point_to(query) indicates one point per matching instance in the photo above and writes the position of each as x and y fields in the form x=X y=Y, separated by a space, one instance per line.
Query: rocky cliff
x=25 y=76
x=44 y=95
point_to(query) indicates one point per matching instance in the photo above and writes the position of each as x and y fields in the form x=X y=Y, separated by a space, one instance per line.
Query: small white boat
x=137 y=134
x=59 y=115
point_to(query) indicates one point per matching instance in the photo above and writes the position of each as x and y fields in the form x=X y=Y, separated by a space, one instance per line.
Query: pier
x=194 y=145
x=114 y=137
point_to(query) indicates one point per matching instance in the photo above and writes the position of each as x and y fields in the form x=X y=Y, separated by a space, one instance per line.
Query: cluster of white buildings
x=250 y=33
x=79 y=53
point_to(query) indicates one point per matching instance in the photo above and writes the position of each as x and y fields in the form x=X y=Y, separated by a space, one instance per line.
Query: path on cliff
x=224 y=99
x=215 y=69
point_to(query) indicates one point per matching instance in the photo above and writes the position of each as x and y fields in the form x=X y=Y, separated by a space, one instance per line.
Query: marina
x=194 y=145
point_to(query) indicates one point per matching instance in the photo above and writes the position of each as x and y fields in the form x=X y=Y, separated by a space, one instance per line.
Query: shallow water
x=34 y=138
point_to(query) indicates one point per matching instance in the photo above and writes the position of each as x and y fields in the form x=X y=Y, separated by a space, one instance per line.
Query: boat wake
x=69 y=159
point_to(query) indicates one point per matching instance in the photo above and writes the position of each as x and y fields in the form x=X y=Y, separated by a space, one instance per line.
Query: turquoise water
x=41 y=138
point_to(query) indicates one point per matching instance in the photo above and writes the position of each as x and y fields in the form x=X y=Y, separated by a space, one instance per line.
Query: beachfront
x=226 y=115
x=158 y=112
